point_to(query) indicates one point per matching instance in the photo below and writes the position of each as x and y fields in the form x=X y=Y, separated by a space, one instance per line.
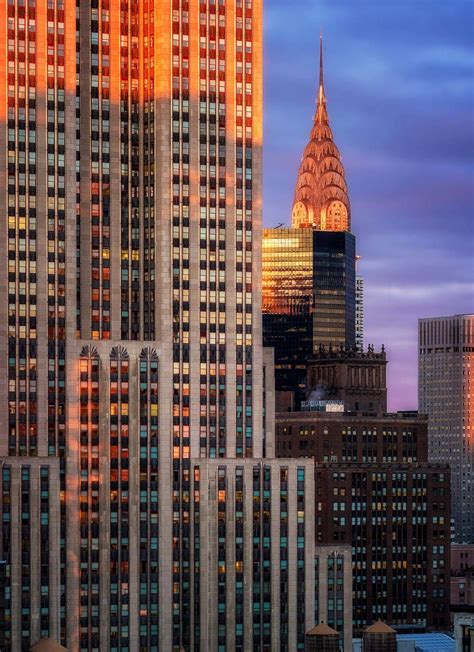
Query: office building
x=328 y=436
x=376 y=492
x=334 y=289
x=309 y=278
x=359 y=333
x=131 y=356
x=287 y=304
x=446 y=395
x=308 y=298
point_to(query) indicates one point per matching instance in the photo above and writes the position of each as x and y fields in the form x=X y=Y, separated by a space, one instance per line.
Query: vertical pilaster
x=35 y=559
x=163 y=303
x=3 y=228
x=104 y=499
x=134 y=498
x=115 y=159
x=230 y=221
x=42 y=192
x=292 y=557
x=85 y=169
x=257 y=194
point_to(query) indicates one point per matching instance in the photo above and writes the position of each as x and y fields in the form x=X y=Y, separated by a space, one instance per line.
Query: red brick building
x=376 y=491
x=335 y=437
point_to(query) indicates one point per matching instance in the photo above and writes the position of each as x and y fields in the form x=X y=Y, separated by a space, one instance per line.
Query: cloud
x=424 y=292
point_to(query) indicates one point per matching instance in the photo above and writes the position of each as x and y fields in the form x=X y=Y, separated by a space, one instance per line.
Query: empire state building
x=141 y=506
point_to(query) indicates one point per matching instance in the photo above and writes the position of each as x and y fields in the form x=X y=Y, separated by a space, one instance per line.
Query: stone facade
x=131 y=179
x=446 y=395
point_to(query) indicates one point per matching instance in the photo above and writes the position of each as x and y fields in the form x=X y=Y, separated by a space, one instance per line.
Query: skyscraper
x=288 y=304
x=334 y=321
x=321 y=198
x=446 y=395
x=309 y=294
x=138 y=511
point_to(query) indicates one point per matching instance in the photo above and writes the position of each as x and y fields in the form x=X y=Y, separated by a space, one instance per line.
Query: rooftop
x=430 y=642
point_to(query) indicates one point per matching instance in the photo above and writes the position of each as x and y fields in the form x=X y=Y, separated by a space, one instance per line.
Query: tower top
x=321 y=95
x=321 y=198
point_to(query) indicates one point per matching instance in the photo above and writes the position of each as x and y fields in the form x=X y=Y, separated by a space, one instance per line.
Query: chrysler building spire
x=321 y=95
x=321 y=198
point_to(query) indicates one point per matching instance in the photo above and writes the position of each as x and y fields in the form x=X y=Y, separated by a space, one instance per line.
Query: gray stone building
x=446 y=395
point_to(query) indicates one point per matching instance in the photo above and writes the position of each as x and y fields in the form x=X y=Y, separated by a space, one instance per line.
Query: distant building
x=462 y=557
x=288 y=303
x=334 y=289
x=399 y=438
x=308 y=298
x=376 y=492
x=462 y=574
x=309 y=269
x=416 y=642
x=462 y=588
x=357 y=378
x=359 y=325
x=446 y=395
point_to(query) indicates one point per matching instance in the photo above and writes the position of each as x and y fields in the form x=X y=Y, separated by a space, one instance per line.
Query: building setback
x=376 y=492
x=446 y=395
x=131 y=351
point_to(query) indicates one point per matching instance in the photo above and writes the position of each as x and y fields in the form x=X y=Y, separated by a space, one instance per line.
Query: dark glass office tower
x=308 y=298
x=288 y=303
x=334 y=288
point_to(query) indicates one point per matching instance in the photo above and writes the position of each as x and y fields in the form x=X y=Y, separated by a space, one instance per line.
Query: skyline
x=430 y=106
x=146 y=503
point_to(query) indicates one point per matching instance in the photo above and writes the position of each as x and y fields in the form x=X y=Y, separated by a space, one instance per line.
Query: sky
x=399 y=80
